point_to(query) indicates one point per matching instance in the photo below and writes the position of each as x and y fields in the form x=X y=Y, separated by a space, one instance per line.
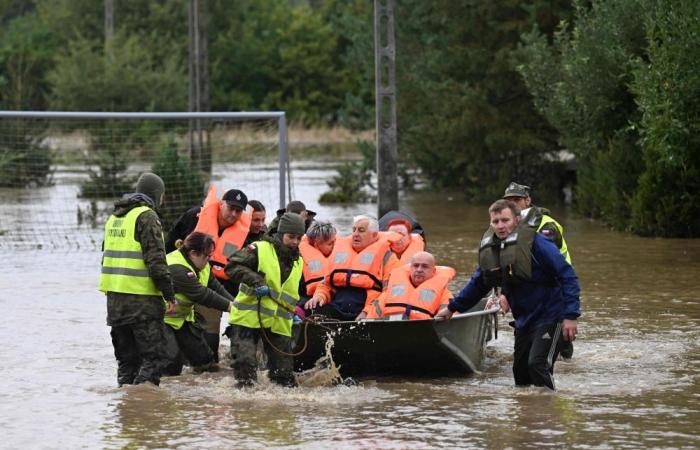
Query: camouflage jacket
x=549 y=230
x=186 y=282
x=242 y=266
x=123 y=309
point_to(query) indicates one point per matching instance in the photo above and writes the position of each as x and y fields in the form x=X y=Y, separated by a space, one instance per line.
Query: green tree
x=85 y=79
x=353 y=59
x=667 y=89
x=465 y=116
x=184 y=185
x=26 y=54
x=580 y=83
x=274 y=56
x=23 y=161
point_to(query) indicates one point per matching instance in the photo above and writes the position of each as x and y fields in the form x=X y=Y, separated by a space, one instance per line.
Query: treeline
x=488 y=92
x=298 y=57
x=621 y=85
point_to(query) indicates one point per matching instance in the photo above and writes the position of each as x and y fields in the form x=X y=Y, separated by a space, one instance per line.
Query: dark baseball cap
x=517 y=190
x=235 y=198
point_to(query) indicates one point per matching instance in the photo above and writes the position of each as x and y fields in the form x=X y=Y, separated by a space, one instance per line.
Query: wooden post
x=385 y=104
x=198 y=98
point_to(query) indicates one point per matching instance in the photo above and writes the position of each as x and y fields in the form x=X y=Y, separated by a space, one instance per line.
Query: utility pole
x=109 y=27
x=198 y=98
x=385 y=106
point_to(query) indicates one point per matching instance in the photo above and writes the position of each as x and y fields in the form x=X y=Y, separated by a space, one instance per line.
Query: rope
x=314 y=318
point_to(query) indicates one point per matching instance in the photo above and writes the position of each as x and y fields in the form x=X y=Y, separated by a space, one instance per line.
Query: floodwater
x=633 y=381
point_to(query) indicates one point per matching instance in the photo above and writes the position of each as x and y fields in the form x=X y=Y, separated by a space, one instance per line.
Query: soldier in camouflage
x=136 y=279
x=271 y=270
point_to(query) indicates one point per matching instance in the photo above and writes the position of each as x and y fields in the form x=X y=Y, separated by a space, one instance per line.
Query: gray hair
x=372 y=224
x=320 y=231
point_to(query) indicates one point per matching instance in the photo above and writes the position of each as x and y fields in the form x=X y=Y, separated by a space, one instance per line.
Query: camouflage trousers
x=140 y=351
x=210 y=320
x=244 y=344
x=186 y=346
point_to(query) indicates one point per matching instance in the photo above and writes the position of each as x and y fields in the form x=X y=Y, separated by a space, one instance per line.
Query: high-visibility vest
x=123 y=267
x=349 y=268
x=315 y=265
x=538 y=217
x=231 y=239
x=184 y=311
x=413 y=302
x=564 y=250
x=277 y=309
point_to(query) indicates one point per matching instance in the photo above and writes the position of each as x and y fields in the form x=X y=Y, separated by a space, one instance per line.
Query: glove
x=299 y=312
x=261 y=291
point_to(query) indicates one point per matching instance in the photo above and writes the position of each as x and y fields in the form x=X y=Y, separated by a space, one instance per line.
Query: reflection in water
x=633 y=381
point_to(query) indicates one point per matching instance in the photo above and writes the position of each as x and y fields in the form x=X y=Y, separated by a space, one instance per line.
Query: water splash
x=324 y=372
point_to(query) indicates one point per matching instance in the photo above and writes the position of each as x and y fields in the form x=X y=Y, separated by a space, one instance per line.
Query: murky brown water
x=633 y=382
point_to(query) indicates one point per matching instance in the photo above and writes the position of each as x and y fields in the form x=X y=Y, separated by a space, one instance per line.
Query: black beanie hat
x=291 y=223
x=151 y=185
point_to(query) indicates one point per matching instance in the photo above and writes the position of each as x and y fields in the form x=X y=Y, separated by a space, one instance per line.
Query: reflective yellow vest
x=123 y=267
x=564 y=250
x=277 y=310
x=184 y=311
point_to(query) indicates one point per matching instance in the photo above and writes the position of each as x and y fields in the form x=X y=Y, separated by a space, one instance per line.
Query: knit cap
x=291 y=223
x=151 y=185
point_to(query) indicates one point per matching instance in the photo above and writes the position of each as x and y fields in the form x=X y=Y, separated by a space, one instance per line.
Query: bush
x=580 y=83
x=349 y=185
x=624 y=95
x=25 y=163
x=465 y=117
x=108 y=155
x=667 y=89
x=184 y=185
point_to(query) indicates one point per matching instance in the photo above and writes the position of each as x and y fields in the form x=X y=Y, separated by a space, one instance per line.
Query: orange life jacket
x=362 y=270
x=231 y=239
x=315 y=265
x=421 y=302
x=416 y=245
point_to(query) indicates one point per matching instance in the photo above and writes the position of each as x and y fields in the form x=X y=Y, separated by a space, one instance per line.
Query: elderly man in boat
x=359 y=270
x=415 y=291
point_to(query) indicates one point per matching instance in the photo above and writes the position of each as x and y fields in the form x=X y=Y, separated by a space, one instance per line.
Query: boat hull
x=415 y=347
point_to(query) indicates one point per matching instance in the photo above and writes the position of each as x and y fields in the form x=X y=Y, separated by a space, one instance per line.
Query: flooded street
x=633 y=381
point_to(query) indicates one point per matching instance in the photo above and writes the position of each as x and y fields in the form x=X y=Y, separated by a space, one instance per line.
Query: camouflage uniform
x=137 y=320
x=208 y=319
x=549 y=230
x=242 y=268
x=189 y=343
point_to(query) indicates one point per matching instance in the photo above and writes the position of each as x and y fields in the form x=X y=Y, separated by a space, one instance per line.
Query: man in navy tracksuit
x=538 y=286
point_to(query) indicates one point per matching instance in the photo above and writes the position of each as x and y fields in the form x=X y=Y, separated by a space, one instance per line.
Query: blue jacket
x=552 y=295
